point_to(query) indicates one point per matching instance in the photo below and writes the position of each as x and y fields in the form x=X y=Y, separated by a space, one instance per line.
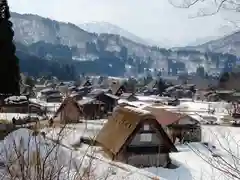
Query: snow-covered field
x=83 y=163
x=219 y=159
x=196 y=162
x=194 y=159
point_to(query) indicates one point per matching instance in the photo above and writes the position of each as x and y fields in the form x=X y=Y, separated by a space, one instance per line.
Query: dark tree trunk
x=9 y=68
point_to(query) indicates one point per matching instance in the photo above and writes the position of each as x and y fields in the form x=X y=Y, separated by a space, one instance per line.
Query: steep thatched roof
x=121 y=126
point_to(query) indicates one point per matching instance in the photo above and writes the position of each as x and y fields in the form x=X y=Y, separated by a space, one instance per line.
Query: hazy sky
x=154 y=19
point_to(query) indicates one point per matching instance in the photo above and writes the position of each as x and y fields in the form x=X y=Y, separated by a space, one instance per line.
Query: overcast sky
x=152 y=19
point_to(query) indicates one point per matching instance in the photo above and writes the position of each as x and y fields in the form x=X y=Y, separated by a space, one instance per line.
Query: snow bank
x=216 y=160
x=23 y=152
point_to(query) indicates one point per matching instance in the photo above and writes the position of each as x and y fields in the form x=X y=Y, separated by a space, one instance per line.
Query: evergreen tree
x=9 y=68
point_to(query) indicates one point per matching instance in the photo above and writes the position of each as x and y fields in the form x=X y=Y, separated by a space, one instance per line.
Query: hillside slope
x=111 y=54
x=228 y=44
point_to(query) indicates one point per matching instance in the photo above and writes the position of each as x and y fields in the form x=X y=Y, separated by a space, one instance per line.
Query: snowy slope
x=105 y=27
x=68 y=164
x=227 y=44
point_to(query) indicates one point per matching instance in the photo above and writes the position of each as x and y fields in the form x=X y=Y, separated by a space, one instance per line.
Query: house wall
x=189 y=133
x=147 y=149
x=55 y=99
x=92 y=111
x=148 y=138
x=109 y=102
x=21 y=109
x=150 y=160
x=232 y=83
x=69 y=114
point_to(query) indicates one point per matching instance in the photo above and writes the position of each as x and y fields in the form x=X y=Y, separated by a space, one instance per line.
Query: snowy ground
x=73 y=163
x=191 y=158
x=10 y=116
x=194 y=160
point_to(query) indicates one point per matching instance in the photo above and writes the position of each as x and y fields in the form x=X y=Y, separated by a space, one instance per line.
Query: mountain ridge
x=102 y=27
x=68 y=43
x=230 y=43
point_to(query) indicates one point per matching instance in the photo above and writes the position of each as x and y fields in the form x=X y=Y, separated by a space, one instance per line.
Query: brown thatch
x=72 y=110
x=123 y=125
x=68 y=112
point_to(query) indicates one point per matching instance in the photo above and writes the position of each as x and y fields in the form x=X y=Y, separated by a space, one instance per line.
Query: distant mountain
x=200 y=41
x=109 y=54
x=108 y=28
x=33 y=28
x=227 y=44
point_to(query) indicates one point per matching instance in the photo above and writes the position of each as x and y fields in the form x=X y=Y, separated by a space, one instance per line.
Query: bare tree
x=223 y=156
x=29 y=155
x=208 y=7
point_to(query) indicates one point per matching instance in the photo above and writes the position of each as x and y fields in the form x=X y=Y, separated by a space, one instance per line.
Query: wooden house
x=54 y=98
x=20 y=104
x=135 y=137
x=50 y=95
x=84 y=90
x=71 y=111
x=177 y=125
x=68 y=112
x=108 y=99
x=231 y=82
x=225 y=94
x=92 y=108
x=117 y=88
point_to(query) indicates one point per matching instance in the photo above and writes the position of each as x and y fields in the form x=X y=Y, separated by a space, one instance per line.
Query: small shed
x=135 y=137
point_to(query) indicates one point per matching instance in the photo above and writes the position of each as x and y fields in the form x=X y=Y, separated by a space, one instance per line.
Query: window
x=145 y=137
x=146 y=127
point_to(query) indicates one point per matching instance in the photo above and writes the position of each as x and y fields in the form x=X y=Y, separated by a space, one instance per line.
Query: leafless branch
x=229 y=164
x=217 y=5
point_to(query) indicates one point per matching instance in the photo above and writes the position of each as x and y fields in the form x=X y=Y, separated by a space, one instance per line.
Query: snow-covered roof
x=16 y=100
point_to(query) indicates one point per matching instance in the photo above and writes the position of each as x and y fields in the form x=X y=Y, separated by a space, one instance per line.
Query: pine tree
x=9 y=68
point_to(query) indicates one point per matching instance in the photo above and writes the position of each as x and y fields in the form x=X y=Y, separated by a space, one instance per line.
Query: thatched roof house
x=71 y=111
x=135 y=137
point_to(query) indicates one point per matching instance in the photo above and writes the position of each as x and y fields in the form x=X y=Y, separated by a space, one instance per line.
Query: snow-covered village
x=81 y=98
x=102 y=130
